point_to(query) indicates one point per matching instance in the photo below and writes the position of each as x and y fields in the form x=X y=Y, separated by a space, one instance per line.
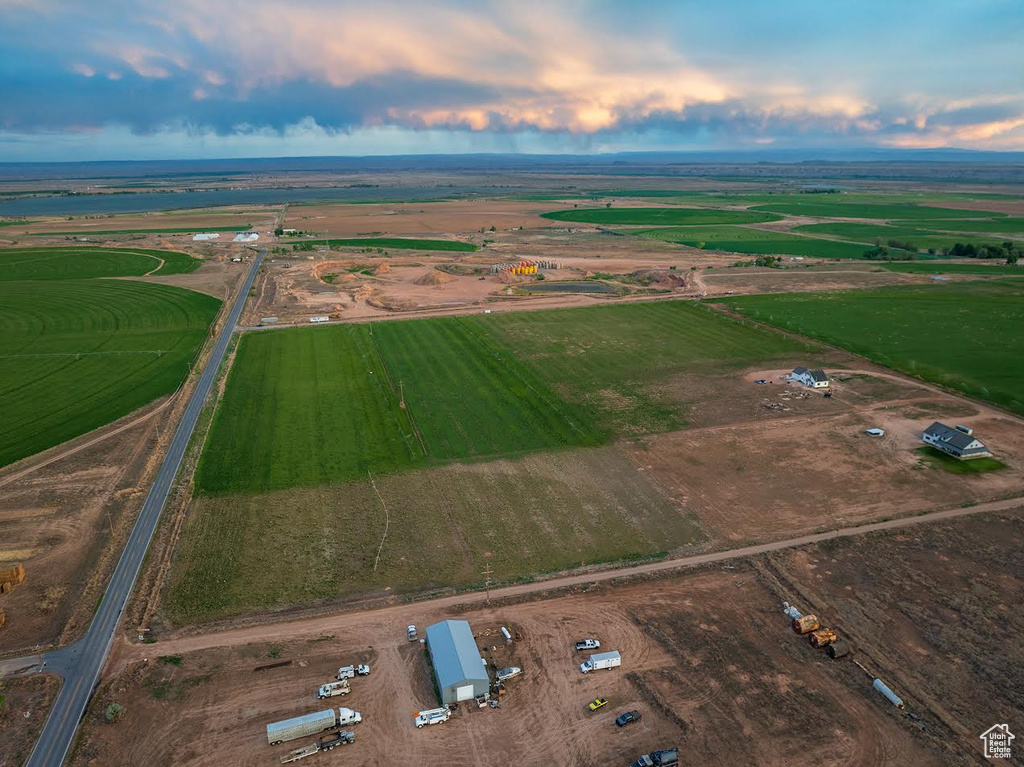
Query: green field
x=311 y=406
x=76 y=354
x=838 y=208
x=967 y=336
x=919 y=236
x=397 y=243
x=990 y=226
x=175 y=230
x=662 y=216
x=738 y=239
x=543 y=513
x=89 y=262
x=981 y=267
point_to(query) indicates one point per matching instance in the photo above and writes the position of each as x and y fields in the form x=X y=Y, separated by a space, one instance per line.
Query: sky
x=168 y=79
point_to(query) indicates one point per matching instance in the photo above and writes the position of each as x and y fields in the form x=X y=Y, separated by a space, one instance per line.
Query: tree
x=279 y=231
x=607 y=204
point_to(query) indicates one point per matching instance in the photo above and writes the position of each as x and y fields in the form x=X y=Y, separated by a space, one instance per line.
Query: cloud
x=577 y=68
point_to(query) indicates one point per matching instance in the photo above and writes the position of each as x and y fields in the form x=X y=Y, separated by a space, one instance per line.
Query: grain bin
x=838 y=649
x=806 y=624
x=823 y=637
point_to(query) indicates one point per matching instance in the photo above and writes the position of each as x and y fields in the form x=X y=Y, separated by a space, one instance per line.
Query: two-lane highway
x=82 y=662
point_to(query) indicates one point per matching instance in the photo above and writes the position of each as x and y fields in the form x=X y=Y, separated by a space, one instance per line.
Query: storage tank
x=838 y=649
x=892 y=697
x=823 y=637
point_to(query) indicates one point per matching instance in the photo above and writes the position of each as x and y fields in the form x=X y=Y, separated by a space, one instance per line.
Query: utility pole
x=487 y=581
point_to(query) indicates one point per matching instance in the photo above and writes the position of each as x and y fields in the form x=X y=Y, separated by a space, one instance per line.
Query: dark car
x=627 y=718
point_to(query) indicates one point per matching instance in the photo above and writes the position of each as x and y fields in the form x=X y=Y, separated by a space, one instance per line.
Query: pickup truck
x=587 y=644
x=668 y=757
x=331 y=689
x=335 y=739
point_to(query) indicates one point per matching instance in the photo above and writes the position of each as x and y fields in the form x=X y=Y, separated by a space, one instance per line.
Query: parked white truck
x=310 y=724
x=433 y=716
x=331 y=689
x=349 y=672
x=601 y=660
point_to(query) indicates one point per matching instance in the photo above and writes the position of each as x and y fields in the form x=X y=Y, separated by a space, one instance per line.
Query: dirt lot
x=238 y=217
x=806 y=464
x=703 y=653
x=836 y=277
x=457 y=217
x=24 y=704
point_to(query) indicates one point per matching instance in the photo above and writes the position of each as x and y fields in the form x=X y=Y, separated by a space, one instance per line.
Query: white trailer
x=601 y=660
x=331 y=689
x=349 y=672
x=348 y=716
x=433 y=716
x=320 y=318
x=300 y=726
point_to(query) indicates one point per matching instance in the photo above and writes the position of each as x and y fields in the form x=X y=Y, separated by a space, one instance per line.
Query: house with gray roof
x=957 y=441
x=458 y=668
x=815 y=379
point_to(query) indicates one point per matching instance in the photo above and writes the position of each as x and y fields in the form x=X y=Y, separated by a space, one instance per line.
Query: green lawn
x=656 y=216
x=939 y=460
x=967 y=336
x=77 y=354
x=312 y=406
x=919 y=236
x=88 y=262
x=981 y=267
x=838 y=208
x=397 y=243
x=738 y=239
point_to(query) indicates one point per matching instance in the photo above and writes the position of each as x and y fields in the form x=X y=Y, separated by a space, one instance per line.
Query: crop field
x=966 y=336
x=397 y=243
x=920 y=236
x=991 y=226
x=312 y=406
x=76 y=354
x=82 y=263
x=883 y=211
x=738 y=239
x=541 y=513
x=663 y=216
x=981 y=267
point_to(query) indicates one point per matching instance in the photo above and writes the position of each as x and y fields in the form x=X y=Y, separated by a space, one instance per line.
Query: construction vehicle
x=331 y=689
x=335 y=739
x=300 y=753
x=300 y=726
x=348 y=716
x=349 y=672
x=823 y=637
x=665 y=758
x=433 y=716
x=806 y=624
x=601 y=660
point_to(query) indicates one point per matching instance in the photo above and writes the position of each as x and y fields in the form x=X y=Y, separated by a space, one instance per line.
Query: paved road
x=80 y=664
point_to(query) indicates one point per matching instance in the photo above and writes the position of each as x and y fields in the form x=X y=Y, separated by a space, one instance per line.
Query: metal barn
x=458 y=668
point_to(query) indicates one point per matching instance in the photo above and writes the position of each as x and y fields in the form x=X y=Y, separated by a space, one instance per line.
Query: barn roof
x=454 y=654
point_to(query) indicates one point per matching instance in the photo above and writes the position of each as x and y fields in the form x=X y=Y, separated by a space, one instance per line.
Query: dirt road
x=125 y=653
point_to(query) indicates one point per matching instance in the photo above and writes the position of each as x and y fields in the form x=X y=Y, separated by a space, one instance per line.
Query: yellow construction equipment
x=823 y=637
x=806 y=624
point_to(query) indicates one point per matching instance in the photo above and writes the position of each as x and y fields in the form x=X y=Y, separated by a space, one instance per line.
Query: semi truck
x=601 y=660
x=300 y=726
x=310 y=724
x=349 y=672
x=331 y=689
x=667 y=757
x=433 y=716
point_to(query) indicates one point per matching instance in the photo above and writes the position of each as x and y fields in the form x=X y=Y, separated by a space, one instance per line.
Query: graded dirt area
x=454 y=217
x=927 y=609
x=801 y=462
x=240 y=218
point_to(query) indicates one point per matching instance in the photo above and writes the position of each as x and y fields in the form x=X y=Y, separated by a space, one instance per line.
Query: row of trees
x=1008 y=250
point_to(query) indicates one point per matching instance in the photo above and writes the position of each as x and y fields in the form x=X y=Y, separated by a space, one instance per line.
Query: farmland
x=738 y=239
x=990 y=225
x=966 y=336
x=918 y=236
x=162 y=230
x=81 y=353
x=396 y=243
x=980 y=267
x=884 y=211
x=82 y=263
x=660 y=216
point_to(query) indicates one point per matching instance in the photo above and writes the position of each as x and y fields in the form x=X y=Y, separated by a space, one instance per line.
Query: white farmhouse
x=815 y=379
x=958 y=441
